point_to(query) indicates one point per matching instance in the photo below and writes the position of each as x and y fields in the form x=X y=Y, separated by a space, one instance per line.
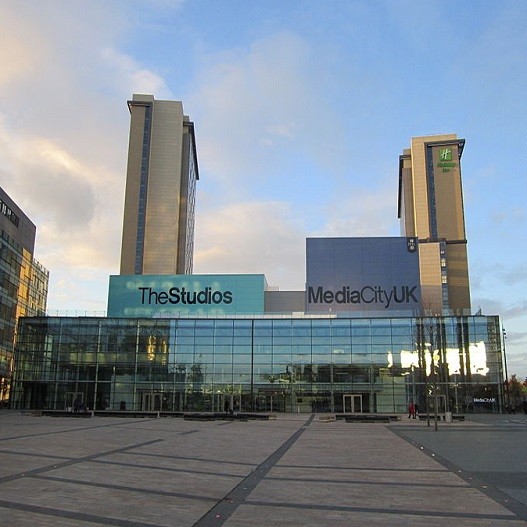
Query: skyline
x=301 y=113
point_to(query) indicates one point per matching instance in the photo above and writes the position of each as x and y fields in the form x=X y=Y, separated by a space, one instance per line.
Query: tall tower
x=158 y=222
x=430 y=207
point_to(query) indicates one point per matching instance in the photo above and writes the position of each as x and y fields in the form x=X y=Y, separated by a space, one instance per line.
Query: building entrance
x=74 y=401
x=151 y=402
x=35 y=395
x=352 y=403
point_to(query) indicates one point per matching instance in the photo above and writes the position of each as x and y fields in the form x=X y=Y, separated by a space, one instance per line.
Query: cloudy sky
x=301 y=109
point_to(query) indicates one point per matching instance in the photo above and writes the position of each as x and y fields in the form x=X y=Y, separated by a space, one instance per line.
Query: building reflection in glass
x=260 y=364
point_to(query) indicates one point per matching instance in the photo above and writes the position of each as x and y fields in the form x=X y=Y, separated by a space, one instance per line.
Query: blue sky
x=301 y=110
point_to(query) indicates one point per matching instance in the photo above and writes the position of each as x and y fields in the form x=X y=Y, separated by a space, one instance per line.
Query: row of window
x=116 y=328
x=67 y=335
x=260 y=373
x=208 y=344
x=142 y=190
x=8 y=213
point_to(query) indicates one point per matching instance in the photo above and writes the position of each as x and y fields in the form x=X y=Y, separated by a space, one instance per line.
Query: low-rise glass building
x=260 y=363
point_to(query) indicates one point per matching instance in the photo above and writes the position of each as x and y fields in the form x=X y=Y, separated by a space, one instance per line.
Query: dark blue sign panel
x=362 y=274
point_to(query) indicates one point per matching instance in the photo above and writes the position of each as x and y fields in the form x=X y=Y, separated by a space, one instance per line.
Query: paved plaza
x=294 y=470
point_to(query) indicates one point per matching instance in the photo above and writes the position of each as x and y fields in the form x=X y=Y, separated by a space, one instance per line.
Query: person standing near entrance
x=411 y=410
x=226 y=406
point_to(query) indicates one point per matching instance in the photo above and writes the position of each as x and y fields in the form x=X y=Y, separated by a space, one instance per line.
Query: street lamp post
x=507 y=387
x=412 y=367
x=434 y=376
x=456 y=385
x=332 y=400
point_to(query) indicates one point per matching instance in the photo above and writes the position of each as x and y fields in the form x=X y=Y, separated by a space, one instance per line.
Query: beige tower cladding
x=430 y=207
x=158 y=222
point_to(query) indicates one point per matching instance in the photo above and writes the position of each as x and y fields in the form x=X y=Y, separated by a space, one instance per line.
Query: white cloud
x=257 y=106
x=358 y=212
x=134 y=77
x=252 y=237
x=63 y=136
x=19 y=57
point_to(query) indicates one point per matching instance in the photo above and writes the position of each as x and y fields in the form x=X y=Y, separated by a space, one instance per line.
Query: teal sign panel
x=158 y=296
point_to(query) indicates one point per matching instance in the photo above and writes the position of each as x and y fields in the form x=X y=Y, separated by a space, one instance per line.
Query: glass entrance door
x=353 y=403
x=74 y=401
x=151 y=402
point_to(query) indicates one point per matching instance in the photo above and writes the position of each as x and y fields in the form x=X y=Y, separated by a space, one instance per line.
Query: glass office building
x=23 y=282
x=260 y=363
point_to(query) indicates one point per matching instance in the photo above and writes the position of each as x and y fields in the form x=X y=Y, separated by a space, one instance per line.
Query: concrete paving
x=295 y=470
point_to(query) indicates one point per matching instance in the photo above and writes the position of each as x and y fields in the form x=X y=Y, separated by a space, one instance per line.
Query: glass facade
x=305 y=364
x=188 y=201
x=23 y=292
x=143 y=185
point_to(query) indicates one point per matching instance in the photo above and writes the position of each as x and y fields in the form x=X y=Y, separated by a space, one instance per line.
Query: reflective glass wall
x=23 y=292
x=260 y=364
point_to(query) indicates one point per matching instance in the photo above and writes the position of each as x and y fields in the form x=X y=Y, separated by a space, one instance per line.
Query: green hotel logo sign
x=445 y=154
x=445 y=159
